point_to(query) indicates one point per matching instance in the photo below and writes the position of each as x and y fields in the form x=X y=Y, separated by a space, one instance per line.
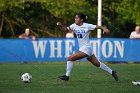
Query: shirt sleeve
x=91 y=27
x=71 y=27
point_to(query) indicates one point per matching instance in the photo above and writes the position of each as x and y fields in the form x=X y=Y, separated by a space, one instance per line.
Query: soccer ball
x=26 y=78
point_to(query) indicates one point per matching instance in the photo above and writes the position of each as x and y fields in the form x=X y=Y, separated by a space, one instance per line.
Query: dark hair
x=82 y=16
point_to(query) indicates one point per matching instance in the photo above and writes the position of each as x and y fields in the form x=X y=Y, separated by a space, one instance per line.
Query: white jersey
x=82 y=32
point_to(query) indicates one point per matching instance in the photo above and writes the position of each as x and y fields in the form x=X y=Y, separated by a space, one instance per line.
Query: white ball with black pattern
x=26 y=78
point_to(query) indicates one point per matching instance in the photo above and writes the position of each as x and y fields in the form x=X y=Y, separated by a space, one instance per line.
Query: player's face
x=78 y=20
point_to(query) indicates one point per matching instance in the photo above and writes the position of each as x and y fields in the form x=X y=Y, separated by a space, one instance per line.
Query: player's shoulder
x=73 y=25
x=85 y=23
x=88 y=24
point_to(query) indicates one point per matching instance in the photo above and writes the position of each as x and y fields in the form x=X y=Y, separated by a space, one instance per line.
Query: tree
x=27 y=13
x=129 y=10
x=41 y=16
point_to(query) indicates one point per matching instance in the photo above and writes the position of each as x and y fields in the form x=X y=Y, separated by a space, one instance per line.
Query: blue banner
x=59 y=49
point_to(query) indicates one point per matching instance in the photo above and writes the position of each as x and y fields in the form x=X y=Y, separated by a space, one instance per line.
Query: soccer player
x=82 y=31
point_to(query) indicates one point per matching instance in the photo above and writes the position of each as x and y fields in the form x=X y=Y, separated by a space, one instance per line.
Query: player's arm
x=105 y=30
x=65 y=29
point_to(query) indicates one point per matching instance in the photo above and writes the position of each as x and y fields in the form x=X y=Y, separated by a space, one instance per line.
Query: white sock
x=69 y=68
x=105 y=68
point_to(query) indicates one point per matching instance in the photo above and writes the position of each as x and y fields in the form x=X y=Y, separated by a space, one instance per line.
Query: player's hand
x=105 y=30
x=59 y=23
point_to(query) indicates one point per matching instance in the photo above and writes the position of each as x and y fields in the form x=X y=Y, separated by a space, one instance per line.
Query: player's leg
x=97 y=63
x=101 y=65
x=74 y=57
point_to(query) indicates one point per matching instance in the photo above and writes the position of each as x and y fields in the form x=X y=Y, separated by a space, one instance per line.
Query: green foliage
x=130 y=10
x=41 y=16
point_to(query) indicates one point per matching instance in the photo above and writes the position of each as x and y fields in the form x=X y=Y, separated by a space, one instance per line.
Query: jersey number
x=79 y=35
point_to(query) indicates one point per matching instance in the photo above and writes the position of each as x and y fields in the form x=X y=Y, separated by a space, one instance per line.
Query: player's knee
x=97 y=64
x=70 y=58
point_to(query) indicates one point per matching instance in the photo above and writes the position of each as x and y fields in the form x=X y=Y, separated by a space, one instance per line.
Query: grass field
x=85 y=78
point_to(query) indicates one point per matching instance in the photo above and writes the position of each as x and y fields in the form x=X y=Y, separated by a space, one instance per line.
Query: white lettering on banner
x=104 y=48
x=107 y=48
x=54 y=49
x=95 y=45
x=69 y=44
x=112 y=48
x=120 y=46
x=39 y=45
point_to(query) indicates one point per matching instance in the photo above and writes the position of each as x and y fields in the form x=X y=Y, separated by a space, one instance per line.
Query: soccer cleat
x=114 y=74
x=64 y=77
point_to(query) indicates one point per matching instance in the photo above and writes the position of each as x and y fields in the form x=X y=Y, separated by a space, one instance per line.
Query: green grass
x=85 y=78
